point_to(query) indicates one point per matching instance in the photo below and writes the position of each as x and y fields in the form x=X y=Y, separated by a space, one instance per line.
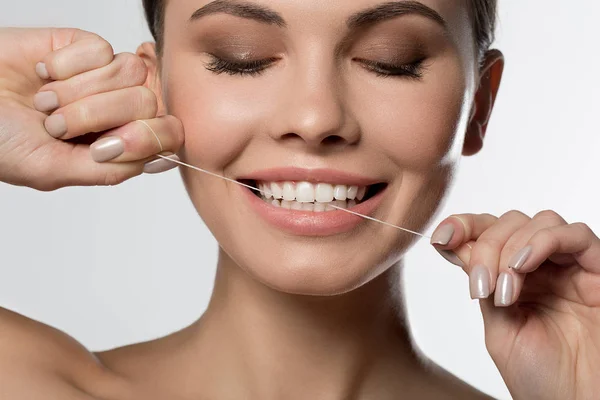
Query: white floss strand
x=154 y=133
x=260 y=191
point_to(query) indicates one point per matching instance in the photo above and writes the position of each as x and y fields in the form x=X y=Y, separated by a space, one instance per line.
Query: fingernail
x=519 y=259
x=107 y=149
x=45 y=101
x=504 y=290
x=479 y=282
x=42 y=71
x=160 y=165
x=56 y=125
x=443 y=235
x=451 y=257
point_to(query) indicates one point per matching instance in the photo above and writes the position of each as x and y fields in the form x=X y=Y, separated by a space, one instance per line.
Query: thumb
x=77 y=168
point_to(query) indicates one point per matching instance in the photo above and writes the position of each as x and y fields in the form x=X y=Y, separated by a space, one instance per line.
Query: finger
x=484 y=264
x=81 y=51
x=576 y=239
x=76 y=168
x=453 y=237
x=126 y=70
x=461 y=228
x=102 y=112
x=139 y=140
x=515 y=252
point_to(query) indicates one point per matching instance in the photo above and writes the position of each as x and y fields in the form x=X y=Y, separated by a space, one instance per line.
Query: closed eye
x=220 y=65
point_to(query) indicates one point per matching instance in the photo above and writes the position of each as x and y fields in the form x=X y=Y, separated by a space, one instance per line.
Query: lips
x=299 y=201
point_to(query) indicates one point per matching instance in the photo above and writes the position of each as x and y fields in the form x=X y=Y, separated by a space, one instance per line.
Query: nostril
x=333 y=140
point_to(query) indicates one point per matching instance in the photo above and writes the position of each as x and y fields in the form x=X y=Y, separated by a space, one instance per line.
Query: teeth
x=305 y=192
x=306 y=196
x=319 y=207
x=341 y=203
x=308 y=207
x=352 y=192
x=362 y=191
x=267 y=190
x=324 y=193
x=277 y=190
x=340 y=192
x=289 y=192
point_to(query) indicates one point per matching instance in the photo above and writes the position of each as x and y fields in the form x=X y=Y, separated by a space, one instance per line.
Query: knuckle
x=514 y=214
x=83 y=117
x=177 y=129
x=583 y=228
x=113 y=178
x=545 y=235
x=549 y=215
x=487 y=246
x=488 y=215
x=134 y=68
x=103 y=49
x=147 y=103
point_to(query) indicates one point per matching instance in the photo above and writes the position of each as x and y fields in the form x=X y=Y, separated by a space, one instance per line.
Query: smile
x=300 y=201
x=314 y=197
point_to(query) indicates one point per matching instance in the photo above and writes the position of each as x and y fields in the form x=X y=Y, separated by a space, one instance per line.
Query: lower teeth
x=314 y=207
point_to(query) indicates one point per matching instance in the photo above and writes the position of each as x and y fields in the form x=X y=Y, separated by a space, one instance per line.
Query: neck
x=273 y=344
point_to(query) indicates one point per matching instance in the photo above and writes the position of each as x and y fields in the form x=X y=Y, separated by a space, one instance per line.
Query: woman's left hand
x=539 y=284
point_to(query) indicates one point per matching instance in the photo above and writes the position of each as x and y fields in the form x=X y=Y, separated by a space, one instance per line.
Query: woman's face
x=314 y=99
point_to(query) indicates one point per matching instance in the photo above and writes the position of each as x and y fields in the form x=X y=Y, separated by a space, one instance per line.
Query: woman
x=310 y=101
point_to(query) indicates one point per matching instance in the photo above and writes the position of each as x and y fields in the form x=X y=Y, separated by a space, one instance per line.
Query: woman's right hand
x=62 y=89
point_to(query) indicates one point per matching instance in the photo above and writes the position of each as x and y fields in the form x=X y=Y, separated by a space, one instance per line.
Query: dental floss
x=262 y=192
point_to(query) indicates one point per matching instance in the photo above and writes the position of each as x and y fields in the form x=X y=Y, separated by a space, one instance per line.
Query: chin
x=321 y=267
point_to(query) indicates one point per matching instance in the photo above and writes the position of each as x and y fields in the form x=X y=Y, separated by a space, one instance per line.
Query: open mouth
x=313 y=197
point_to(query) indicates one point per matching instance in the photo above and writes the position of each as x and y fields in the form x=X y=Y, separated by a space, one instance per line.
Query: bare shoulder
x=41 y=362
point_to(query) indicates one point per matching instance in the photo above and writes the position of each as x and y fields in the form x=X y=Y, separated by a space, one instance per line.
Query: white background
x=112 y=266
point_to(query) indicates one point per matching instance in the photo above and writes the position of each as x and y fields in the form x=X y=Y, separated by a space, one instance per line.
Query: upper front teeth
x=306 y=192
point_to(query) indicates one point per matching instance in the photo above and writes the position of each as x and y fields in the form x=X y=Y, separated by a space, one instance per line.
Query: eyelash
x=254 y=68
x=250 y=68
x=413 y=70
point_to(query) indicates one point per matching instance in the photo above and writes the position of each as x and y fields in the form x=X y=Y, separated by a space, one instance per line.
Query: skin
x=330 y=308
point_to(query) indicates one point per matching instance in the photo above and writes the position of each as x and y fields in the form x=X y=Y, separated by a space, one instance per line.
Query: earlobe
x=485 y=98
x=147 y=52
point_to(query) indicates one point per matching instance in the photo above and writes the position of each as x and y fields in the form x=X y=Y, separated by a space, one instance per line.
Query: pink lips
x=306 y=223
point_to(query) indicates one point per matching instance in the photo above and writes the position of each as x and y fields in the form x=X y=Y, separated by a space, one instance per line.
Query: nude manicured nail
x=45 y=101
x=519 y=259
x=451 y=256
x=160 y=165
x=42 y=71
x=479 y=282
x=107 y=149
x=504 y=290
x=56 y=125
x=443 y=235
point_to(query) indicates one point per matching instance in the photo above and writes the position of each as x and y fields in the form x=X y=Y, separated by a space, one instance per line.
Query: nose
x=315 y=113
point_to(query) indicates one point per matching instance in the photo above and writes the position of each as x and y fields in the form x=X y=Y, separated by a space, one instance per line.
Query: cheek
x=219 y=116
x=418 y=122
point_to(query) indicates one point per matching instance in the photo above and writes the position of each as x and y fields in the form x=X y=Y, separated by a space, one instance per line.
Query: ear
x=147 y=52
x=489 y=83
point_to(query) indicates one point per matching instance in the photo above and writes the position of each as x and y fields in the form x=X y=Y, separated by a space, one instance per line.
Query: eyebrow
x=393 y=9
x=240 y=9
x=371 y=16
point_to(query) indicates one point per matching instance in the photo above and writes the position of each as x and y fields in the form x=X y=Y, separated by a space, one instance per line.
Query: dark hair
x=483 y=15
